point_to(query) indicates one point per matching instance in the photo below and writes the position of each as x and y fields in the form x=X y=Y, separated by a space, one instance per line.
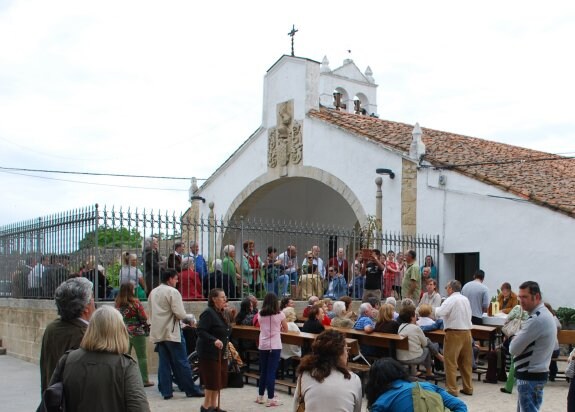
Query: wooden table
x=479 y=332
x=291 y=338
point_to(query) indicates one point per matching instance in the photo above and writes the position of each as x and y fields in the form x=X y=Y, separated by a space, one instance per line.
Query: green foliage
x=110 y=237
x=566 y=315
x=113 y=274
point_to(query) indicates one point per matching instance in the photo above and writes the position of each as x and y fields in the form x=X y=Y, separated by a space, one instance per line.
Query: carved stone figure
x=285 y=141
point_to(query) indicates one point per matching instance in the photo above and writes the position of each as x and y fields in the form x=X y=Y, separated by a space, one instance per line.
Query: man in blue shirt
x=199 y=262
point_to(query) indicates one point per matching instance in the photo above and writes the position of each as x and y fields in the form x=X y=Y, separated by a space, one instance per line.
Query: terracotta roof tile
x=550 y=183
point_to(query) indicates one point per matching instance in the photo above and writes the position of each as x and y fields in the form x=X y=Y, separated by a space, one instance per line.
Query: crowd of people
x=283 y=273
x=98 y=342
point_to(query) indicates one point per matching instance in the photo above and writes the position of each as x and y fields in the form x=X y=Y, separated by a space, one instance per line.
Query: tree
x=110 y=237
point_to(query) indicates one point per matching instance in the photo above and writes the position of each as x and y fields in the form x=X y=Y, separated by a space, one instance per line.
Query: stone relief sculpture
x=285 y=141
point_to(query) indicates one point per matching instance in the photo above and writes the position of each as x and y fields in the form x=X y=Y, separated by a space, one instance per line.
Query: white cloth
x=455 y=312
x=334 y=394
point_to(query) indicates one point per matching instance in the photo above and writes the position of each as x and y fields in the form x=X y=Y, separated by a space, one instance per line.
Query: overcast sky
x=172 y=88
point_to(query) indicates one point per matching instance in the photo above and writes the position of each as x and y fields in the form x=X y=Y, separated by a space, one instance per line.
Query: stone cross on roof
x=292 y=34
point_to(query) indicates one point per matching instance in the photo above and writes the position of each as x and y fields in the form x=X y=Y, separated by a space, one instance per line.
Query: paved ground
x=20 y=387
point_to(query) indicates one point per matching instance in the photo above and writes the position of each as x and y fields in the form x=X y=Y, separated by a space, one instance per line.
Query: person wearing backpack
x=389 y=389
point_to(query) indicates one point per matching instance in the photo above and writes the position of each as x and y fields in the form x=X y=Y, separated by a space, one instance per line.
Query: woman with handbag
x=324 y=382
x=100 y=376
x=136 y=322
x=213 y=337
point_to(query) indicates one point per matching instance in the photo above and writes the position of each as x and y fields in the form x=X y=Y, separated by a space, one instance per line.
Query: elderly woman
x=507 y=299
x=349 y=313
x=190 y=284
x=231 y=270
x=341 y=320
x=432 y=268
x=113 y=382
x=213 y=335
x=418 y=353
x=390 y=389
x=324 y=381
x=288 y=350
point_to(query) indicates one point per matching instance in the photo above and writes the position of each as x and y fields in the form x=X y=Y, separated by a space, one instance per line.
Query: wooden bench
x=565 y=337
x=292 y=338
x=390 y=341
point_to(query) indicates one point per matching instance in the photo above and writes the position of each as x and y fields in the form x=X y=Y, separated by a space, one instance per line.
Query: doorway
x=466 y=264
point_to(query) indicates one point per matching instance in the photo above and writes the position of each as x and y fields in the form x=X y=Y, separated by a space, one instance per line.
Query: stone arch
x=364 y=101
x=270 y=180
x=345 y=98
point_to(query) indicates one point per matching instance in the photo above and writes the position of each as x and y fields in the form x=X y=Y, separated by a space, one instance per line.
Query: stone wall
x=22 y=324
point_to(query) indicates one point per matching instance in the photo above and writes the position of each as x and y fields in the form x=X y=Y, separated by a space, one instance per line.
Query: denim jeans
x=269 y=361
x=272 y=287
x=530 y=395
x=172 y=358
x=282 y=284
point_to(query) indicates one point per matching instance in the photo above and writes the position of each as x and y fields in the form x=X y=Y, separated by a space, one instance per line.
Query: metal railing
x=37 y=255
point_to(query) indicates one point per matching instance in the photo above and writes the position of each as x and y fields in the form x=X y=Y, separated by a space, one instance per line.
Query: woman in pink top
x=272 y=322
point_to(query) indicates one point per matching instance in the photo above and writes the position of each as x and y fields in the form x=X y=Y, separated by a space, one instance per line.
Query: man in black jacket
x=75 y=302
x=151 y=263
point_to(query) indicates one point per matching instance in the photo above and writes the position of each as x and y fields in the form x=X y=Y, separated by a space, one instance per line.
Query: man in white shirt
x=457 y=349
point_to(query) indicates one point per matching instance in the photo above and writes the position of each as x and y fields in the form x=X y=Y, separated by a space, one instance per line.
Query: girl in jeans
x=272 y=322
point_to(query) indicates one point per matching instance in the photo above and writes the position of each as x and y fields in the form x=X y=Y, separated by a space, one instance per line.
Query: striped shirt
x=532 y=346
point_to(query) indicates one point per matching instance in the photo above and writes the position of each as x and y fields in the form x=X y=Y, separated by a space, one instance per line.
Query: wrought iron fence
x=113 y=246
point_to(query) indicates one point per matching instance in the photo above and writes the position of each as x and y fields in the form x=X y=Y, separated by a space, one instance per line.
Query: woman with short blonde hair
x=100 y=376
x=288 y=351
x=106 y=332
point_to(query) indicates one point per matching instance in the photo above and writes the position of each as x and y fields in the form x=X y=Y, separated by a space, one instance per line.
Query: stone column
x=212 y=254
x=378 y=211
x=409 y=197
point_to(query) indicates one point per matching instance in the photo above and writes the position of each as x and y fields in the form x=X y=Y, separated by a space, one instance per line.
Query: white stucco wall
x=354 y=160
x=517 y=240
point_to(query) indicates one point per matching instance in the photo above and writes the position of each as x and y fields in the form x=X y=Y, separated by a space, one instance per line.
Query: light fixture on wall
x=203 y=199
x=389 y=172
